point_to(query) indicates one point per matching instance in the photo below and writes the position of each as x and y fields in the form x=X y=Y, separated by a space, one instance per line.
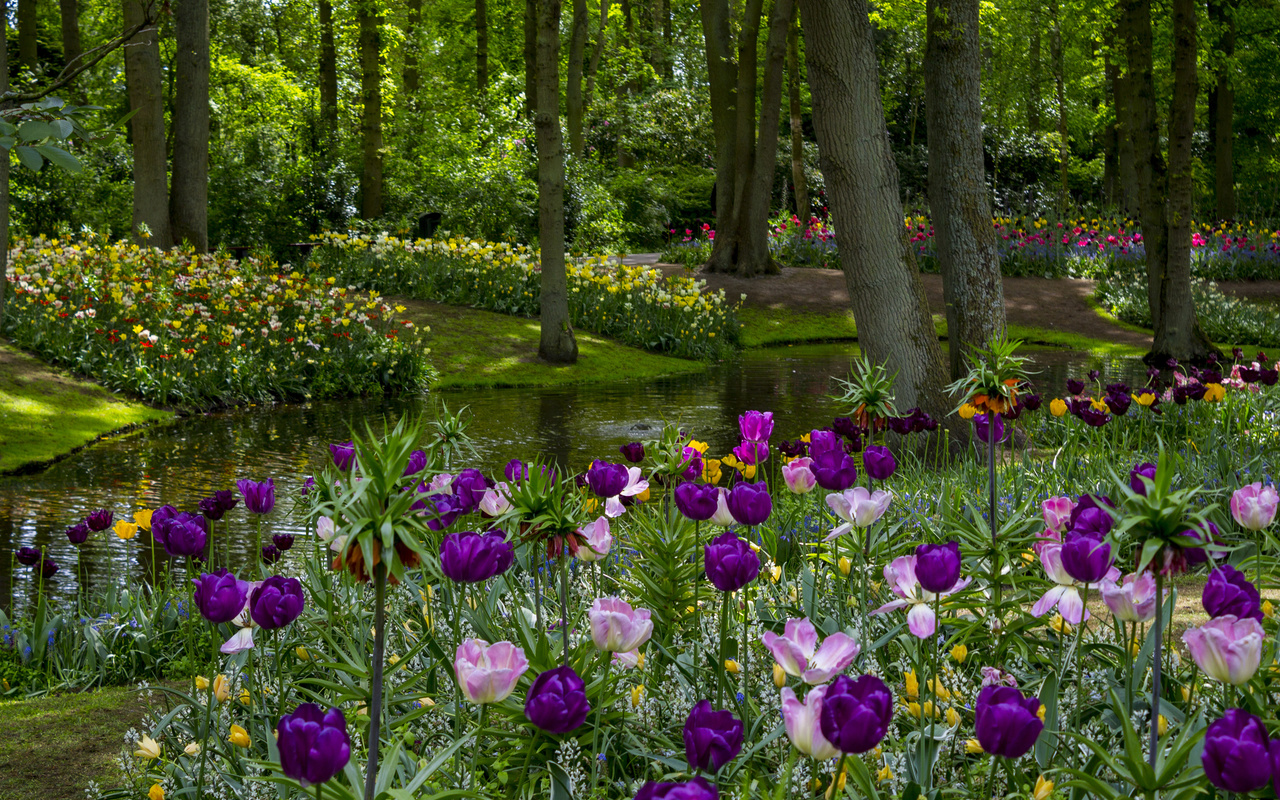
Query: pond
x=181 y=462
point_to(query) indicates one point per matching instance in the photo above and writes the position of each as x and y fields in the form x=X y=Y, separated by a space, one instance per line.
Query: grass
x=764 y=327
x=473 y=348
x=52 y=747
x=45 y=414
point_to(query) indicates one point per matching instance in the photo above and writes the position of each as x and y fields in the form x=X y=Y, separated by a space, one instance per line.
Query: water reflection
x=184 y=461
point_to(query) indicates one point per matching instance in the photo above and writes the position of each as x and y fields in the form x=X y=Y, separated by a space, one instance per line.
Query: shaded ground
x=45 y=413
x=52 y=747
x=1261 y=291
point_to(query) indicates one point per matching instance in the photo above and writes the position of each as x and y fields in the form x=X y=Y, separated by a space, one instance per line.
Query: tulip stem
x=1155 y=667
x=475 y=746
x=375 y=699
x=721 y=678
x=1075 y=711
x=564 y=601
x=995 y=548
x=697 y=612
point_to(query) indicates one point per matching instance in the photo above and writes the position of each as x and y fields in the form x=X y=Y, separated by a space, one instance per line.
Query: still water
x=183 y=461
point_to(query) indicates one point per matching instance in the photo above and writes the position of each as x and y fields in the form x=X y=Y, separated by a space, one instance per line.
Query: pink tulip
x=1131 y=601
x=599 y=540
x=494 y=503
x=1065 y=595
x=488 y=673
x=901 y=577
x=857 y=507
x=1254 y=506
x=613 y=506
x=797 y=651
x=629 y=660
x=799 y=476
x=440 y=483
x=1227 y=649
x=1056 y=511
x=803 y=722
x=616 y=627
x=722 y=517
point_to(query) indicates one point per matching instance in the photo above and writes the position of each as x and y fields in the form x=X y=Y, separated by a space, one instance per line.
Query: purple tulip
x=633 y=452
x=749 y=503
x=984 y=430
x=417 y=463
x=752 y=453
x=48 y=568
x=834 y=470
x=856 y=713
x=1228 y=592
x=938 y=566
x=1032 y=402
x=515 y=470
x=1237 y=753
x=469 y=487
x=270 y=554
x=1007 y=724
x=1091 y=515
x=793 y=449
x=344 y=455
x=181 y=535
x=696 y=789
x=313 y=744
x=1094 y=375
x=161 y=514
x=471 y=557
x=846 y=427
x=900 y=425
x=1145 y=470
x=1085 y=557
x=1074 y=386
x=756 y=426
x=308 y=485
x=99 y=520
x=730 y=562
x=210 y=508
x=557 y=701
x=697 y=501
x=220 y=596
x=259 y=498
x=605 y=479
x=283 y=541
x=1118 y=403
x=28 y=556
x=439 y=509
x=276 y=602
x=1094 y=419
x=711 y=738
x=692 y=460
x=879 y=462
x=78 y=533
x=823 y=441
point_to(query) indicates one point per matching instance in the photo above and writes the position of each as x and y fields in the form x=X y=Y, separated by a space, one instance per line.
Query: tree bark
x=146 y=129
x=799 y=181
x=4 y=173
x=482 y=46
x=573 y=82
x=413 y=21
x=328 y=73
x=1033 y=77
x=889 y=307
x=657 y=45
x=189 y=197
x=371 y=111
x=27 y=29
x=1060 y=92
x=69 y=11
x=530 y=56
x=964 y=236
x=1110 y=136
x=557 y=343
x=594 y=65
x=1126 y=120
x=1222 y=110
x=722 y=81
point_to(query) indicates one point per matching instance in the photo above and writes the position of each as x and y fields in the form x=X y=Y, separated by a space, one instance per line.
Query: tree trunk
x=189 y=198
x=328 y=73
x=573 y=85
x=27 y=28
x=1149 y=166
x=657 y=47
x=722 y=80
x=371 y=110
x=412 y=79
x=1222 y=110
x=594 y=66
x=530 y=56
x=1126 y=120
x=798 y=178
x=556 y=344
x=1111 y=134
x=4 y=174
x=482 y=46
x=69 y=11
x=1060 y=91
x=146 y=129
x=894 y=324
x=1033 y=77
x=964 y=236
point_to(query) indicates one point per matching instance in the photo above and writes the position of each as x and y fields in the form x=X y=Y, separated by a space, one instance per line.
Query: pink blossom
x=803 y=722
x=901 y=577
x=617 y=627
x=1227 y=649
x=1131 y=601
x=1254 y=506
x=798 y=476
x=488 y=673
x=799 y=655
x=598 y=538
x=858 y=507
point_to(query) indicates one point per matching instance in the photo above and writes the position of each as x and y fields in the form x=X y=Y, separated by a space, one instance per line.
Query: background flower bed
x=177 y=328
x=632 y=304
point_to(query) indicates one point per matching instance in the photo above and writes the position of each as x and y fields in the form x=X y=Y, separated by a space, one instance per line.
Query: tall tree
x=4 y=169
x=413 y=21
x=573 y=80
x=1165 y=193
x=557 y=343
x=368 y=16
x=146 y=129
x=594 y=65
x=1222 y=108
x=328 y=73
x=28 y=21
x=799 y=182
x=961 y=211
x=1033 y=76
x=530 y=56
x=1060 y=94
x=69 y=10
x=482 y=46
x=1111 y=134
x=189 y=195
x=889 y=306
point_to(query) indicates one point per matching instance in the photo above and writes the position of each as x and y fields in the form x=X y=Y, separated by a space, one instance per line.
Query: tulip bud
x=244 y=697
x=732 y=666
x=775 y=572
x=1186 y=695
x=238 y=736
x=953 y=717
x=1268 y=610
x=637 y=693
x=156 y=792
x=779 y=676
x=192 y=749
x=960 y=653
x=202 y=682
x=973 y=747
x=885 y=774
x=1040 y=712
x=1163 y=725
x=845 y=565
x=1043 y=789
x=301 y=653
x=221 y=688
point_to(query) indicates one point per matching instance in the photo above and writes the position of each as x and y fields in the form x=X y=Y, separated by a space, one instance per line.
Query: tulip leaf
x=1047 y=743
x=560 y=786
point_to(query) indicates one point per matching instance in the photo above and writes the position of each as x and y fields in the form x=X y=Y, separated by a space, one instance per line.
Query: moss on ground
x=52 y=747
x=45 y=413
x=766 y=327
x=473 y=348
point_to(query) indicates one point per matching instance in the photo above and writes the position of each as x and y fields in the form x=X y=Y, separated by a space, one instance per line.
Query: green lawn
x=52 y=747
x=44 y=413
x=764 y=327
x=473 y=348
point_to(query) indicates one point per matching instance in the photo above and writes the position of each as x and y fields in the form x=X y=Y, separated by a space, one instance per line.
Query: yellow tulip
x=913 y=685
x=837 y=785
x=939 y=690
x=1040 y=712
x=845 y=565
x=142 y=519
x=732 y=666
x=779 y=676
x=1057 y=407
x=775 y=572
x=885 y=774
x=973 y=747
x=221 y=688
x=953 y=717
x=301 y=653
x=1163 y=725
x=1268 y=610
x=244 y=698
x=960 y=653
x=637 y=693
x=643 y=497
x=1214 y=392
x=1044 y=788
x=640 y=661
x=1186 y=694
x=148 y=748
x=914 y=709
x=238 y=736
x=192 y=749
x=202 y=682
x=125 y=530
x=156 y=792
x=1060 y=625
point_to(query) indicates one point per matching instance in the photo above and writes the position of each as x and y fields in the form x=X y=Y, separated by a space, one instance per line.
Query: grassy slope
x=473 y=348
x=44 y=413
x=52 y=747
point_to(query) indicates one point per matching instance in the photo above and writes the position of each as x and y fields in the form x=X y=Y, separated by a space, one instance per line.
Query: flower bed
x=632 y=304
x=177 y=328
